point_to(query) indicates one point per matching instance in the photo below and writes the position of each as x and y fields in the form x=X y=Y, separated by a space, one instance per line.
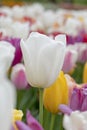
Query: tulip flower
x=75 y=121
x=16 y=43
x=18 y=76
x=79 y=98
x=56 y=94
x=17 y=116
x=43 y=58
x=32 y=123
x=85 y=73
x=21 y=31
x=69 y=61
x=82 y=52
x=71 y=84
x=7 y=91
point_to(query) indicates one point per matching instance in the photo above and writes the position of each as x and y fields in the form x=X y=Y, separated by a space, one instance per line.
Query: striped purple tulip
x=79 y=99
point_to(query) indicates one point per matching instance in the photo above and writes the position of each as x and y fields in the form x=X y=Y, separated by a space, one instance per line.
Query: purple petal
x=65 y=109
x=70 y=39
x=84 y=56
x=22 y=126
x=18 y=76
x=75 y=99
x=79 y=38
x=16 y=43
x=67 y=66
x=18 y=54
x=12 y=128
x=20 y=80
x=32 y=122
x=84 y=105
x=84 y=100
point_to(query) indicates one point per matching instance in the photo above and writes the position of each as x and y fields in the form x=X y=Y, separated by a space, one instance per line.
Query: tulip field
x=43 y=68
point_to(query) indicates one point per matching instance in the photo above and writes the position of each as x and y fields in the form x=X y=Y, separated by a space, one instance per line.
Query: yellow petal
x=56 y=94
x=17 y=116
x=85 y=73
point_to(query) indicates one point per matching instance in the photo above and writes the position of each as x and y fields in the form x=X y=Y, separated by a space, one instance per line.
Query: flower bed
x=46 y=49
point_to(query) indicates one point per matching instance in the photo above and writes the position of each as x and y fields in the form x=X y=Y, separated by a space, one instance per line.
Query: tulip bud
x=56 y=94
x=45 y=58
x=85 y=73
x=18 y=76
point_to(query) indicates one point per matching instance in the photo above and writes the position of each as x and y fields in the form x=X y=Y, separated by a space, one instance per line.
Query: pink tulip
x=70 y=60
x=18 y=76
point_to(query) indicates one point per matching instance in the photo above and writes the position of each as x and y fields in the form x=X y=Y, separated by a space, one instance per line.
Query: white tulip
x=75 y=121
x=20 y=30
x=18 y=11
x=43 y=58
x=7 y=92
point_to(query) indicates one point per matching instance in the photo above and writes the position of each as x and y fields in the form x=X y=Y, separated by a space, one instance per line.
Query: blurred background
x=55 y=2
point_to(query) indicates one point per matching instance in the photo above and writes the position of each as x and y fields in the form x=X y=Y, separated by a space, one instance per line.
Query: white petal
x=61 y=38
x=67 y=124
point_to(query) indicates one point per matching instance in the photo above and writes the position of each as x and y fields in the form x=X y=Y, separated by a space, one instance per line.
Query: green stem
x=61 y=121
x=52 y=121
x=41 y=106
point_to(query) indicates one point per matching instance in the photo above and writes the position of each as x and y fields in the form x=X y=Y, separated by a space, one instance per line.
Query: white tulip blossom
x=75 y=121
x=43 y=58
x=20 y=30
x=18 y=11
x=7 y=91
x=75 y=24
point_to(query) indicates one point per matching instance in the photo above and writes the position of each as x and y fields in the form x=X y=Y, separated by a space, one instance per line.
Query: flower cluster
x=49 y=55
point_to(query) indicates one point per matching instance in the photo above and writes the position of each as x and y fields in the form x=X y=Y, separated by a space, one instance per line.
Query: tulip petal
x=18 y=76
x=50 y=63
x=67 y=123
x=61 y=38
x=22 y=126
x=84 y=104
x=32 y=122
x=65 y=109
x=75 y=99
x=7 y=91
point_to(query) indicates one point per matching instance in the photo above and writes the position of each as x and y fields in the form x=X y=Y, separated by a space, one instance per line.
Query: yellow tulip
x=56 y=94
x=17 y=116
x=85 y=73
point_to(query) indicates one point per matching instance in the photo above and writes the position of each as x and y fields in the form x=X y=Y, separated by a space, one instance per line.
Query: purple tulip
x=70 y=39
x=79 y=99
x=32 y=123
x=16 y=43
x=18 y=54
